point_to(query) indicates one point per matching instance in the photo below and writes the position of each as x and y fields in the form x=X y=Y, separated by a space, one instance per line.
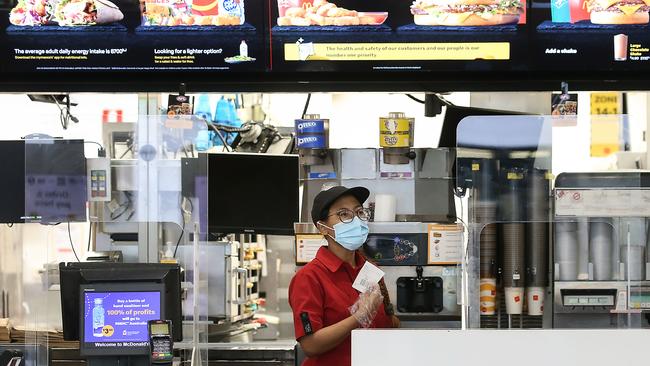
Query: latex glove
x=365 y=308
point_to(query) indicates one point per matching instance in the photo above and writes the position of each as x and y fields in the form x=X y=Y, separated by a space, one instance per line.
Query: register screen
x=119 y=319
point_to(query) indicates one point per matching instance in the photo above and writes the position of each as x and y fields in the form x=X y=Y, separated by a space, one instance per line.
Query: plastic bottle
x=203 y=107
x=243 y=49
x=98 y=317
x=203 y=140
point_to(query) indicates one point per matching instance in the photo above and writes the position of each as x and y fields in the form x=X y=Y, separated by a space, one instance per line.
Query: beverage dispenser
x=396 y=138
x=320 y=166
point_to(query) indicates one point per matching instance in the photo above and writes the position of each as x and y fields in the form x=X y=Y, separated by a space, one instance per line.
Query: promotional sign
x=154 y=35
x=323 y=35
x=119 y=319
x=307 y=245
x=601 y=35
x=606 y=134
x=445 y=244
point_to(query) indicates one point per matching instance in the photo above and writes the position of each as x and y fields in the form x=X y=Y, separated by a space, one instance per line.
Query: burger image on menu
x=466 y=13
x=618 y=11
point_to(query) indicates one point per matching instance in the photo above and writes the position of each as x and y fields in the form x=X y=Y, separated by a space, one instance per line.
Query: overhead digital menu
x=324 y=35
x=599 y=34
x=152 y=35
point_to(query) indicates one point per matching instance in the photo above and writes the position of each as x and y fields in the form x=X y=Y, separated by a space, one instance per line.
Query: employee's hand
x=365 y=309
x=395 y=321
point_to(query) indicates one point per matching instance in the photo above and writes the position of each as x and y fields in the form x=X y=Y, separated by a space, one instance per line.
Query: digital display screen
x=119 y=319
x=55 y=181
x=90 y=36
x=159 y=329
x=257 y=37
x=389 y=36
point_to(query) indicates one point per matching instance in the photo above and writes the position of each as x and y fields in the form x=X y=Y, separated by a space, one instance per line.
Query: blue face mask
x=350 y=235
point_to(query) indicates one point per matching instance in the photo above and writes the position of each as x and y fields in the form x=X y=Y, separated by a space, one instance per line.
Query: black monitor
x=106 y=306
x=12 y=184
x=455 y=114
x=55 y=177
x=43 y=181
x=252 y=193
x=449 y=138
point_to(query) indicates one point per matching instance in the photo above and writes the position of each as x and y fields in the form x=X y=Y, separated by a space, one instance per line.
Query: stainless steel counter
x=281 y=353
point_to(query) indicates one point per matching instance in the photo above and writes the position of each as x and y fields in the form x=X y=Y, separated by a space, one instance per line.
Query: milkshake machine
x=601 y=250
x=413 y=235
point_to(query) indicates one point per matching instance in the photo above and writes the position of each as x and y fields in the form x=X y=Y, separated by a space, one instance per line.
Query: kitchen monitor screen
x=252 y=193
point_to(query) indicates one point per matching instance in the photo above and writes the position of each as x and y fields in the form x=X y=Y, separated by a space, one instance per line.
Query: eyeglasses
x=346 y=215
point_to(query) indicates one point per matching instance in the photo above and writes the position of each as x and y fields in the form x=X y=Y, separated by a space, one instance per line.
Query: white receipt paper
x=367 y=277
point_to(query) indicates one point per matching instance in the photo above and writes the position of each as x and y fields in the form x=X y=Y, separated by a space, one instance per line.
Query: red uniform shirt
x=320 y=295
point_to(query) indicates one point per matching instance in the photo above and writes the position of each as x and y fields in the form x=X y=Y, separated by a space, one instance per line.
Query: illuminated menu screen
x=260 y=37
x=128 y=36
x=312 y=35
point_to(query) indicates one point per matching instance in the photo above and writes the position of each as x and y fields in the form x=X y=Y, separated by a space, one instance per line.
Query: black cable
x=94 y=142
x=90 y=234
x=71 y=244
x=231 y=129
x=62 y=116
x=216 y=130
x=180 y=236
x=183 y=220
x=415 y=99
x=130 y=148
x=304 y=111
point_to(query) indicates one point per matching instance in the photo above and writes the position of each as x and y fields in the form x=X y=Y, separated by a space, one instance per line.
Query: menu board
x=597 y=34
x=340 y=39
x=385 y=35
x=126 y=36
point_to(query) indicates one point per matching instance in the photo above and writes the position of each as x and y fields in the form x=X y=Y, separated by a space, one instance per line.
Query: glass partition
x=133 y=196
x=557 y=237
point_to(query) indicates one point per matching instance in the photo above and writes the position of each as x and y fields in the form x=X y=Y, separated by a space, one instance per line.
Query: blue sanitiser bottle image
x=98 y=317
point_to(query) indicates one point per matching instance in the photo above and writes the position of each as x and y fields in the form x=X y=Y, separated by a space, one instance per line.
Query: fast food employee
x=326 y=308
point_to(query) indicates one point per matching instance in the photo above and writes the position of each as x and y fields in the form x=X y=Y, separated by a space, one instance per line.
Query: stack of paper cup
x=601 y=245
x=535 y=301
x=583 y=248
x=566 y=249
x=385 y=208
x=514 y=300
x=488 y=296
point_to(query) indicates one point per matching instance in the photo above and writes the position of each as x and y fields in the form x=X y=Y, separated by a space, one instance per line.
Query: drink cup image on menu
x=620 y=47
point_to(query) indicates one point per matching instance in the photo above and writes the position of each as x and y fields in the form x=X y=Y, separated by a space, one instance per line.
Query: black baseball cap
x=325 y=199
